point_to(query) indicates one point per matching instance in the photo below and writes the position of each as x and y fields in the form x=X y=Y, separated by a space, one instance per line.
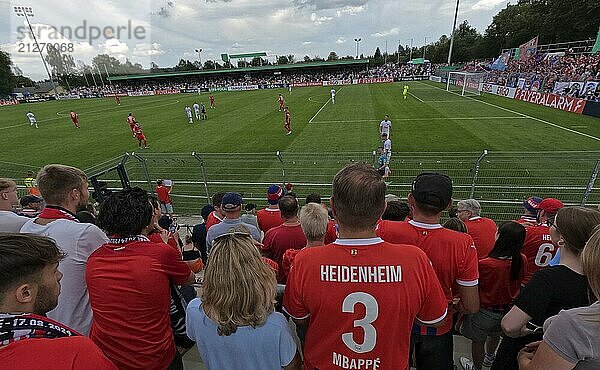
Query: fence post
x=590 y=185
x=476 y=172
x=201 y=162
x=278 y=154
x=146 y=174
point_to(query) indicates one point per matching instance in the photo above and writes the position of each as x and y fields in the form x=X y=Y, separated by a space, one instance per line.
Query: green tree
x=307 y=59
x=282 y=59
x=257 y=62
x=332 y=56
x=6 y=75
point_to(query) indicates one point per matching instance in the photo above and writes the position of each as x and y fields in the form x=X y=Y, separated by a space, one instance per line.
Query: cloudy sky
x=168 y=30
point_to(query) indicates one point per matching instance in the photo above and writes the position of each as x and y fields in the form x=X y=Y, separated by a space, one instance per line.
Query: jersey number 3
x=371 y=313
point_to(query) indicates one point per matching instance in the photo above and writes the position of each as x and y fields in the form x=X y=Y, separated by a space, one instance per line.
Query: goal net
x=464 y=83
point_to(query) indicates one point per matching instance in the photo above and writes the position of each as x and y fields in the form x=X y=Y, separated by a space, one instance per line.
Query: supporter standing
x=31 y=206
x=217 y=214
x=550 y=289
x=163 y=193
x=500 y=276
x=539 y=248
x=129 y=280
x=199 y=232
x=286 y=236
x=234 y=322
x=396 y=211
x=65 y=190
x=454 y=259
x=571 y=337
x=331 y=234
x=482 y=229
x=271 y=216
x=529 y=218
x=232 y=206
x=356 y=282
x=29 y=289
x=250 y=216
x=10 y=222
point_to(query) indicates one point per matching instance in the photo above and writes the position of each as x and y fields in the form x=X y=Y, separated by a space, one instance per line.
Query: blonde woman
x=571 y=338
x=233 y=322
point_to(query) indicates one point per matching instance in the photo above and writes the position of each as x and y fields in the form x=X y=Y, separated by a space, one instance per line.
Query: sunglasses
x=552 y=223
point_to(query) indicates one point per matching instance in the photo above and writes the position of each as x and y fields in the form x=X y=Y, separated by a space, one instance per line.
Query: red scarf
x=56 y=212
x=29 y=326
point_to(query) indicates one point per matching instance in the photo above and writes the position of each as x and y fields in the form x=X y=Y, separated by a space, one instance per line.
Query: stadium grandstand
x=184 y=190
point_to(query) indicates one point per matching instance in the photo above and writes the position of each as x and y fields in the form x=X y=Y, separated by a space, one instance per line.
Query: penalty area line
x=427 y=119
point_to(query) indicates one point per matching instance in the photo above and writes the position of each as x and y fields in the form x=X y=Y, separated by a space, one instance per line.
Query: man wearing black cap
x=31 y=206
x=232 y=206
x=454 y=259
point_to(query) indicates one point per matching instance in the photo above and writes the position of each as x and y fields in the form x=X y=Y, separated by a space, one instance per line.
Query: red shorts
x=140 y=137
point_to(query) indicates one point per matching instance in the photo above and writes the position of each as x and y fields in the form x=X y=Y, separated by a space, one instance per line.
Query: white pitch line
x=319 y=111
x=416 y=97
x=524 y=115
x=427 y=119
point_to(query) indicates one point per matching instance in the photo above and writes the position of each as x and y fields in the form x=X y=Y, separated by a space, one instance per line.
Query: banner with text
x=8 y=102
x=566 y=103
x=508 y=92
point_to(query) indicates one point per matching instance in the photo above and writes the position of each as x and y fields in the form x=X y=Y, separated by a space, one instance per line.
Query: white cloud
x=319 y=20
x=113 y=47
x=351 y=10
x=390 y=32
x=148 y=49
x=487 y=4
x=340 y=40
x=306 y=42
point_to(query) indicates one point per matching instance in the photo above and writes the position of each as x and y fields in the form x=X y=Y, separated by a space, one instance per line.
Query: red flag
x=528 y=49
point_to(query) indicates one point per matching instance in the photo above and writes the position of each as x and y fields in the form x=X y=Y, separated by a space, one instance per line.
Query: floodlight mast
x=199 y=51
x=453 y=32
x=357 y=41
x=27 y=11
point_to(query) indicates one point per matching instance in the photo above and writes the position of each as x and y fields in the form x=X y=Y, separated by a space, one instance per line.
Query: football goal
x=464 y=83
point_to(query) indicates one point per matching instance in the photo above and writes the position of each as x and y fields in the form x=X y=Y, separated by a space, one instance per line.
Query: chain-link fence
x=499 y=180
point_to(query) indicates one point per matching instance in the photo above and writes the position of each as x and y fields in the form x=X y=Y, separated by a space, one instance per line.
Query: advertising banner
x=140 y=93
x=242 y=87
x=375 y=80
x=167 y=92
x=435 y=78
x=112 y=95
x=566 y=103
x=561 y=88
x=306 y=84
x=216 y=89
x=508 y=92
x=8 y=102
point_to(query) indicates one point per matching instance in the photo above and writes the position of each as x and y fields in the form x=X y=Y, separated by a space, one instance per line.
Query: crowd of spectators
x=121 y=289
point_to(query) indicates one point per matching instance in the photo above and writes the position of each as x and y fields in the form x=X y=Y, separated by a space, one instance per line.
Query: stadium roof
x=345 y=62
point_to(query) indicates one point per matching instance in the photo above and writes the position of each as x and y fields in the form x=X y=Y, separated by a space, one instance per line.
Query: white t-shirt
x=385 y=126
x=78 y=241
x=31 y=117
x=332 y=92
x=11 y=222
x=387 y=146
x=196 y=107
x=188 y=111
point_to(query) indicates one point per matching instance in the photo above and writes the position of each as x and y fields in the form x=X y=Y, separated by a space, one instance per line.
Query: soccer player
x=454 y=259
x=32 y=120
x=212 y=101
x=405 y=92
x=288 y=120
x=381 y=162
x=131 y=121
x=281 y=102
x=361 y=295
x=387 y=147
x=118 y=100
x=203 y=110
x=385 y=126
x=196 y=110
x=140 y=136
x=74 y=118
x=332 y=95
x=290 y=88
x=188 y=113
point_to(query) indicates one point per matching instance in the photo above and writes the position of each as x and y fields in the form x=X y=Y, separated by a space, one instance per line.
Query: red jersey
x=268 y=218
x=212 y=99
x=278 y=240
x=74 y=117
x=538 y=248
x=163 y=194
x=130 y=295
x=527 y=221
x=131 y=120
x=452 y=254
x=171 y=241
x=362 y=297
x=287 y=117
x=212 y=219
x=483 y=231
x=68 y=353
x=496 y=290
x=331 y=234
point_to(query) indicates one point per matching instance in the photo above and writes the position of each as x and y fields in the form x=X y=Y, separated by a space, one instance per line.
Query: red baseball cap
x=550 y=205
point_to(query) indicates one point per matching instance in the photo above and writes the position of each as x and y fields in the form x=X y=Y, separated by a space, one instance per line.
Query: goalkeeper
x=405 y=92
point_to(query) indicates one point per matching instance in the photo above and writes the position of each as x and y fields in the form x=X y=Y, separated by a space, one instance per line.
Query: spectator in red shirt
x=270 y=217
x=129 y=281
x=286 y=236
x=331 y=234
x=163 y=194
x=218 y=214
x=500 y=277
x=482 y=229
x=30 y=285
x=529 y=218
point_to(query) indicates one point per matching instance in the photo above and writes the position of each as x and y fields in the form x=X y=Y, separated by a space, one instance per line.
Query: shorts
x=140 y=137
x=166 y=207
x=480 y=325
